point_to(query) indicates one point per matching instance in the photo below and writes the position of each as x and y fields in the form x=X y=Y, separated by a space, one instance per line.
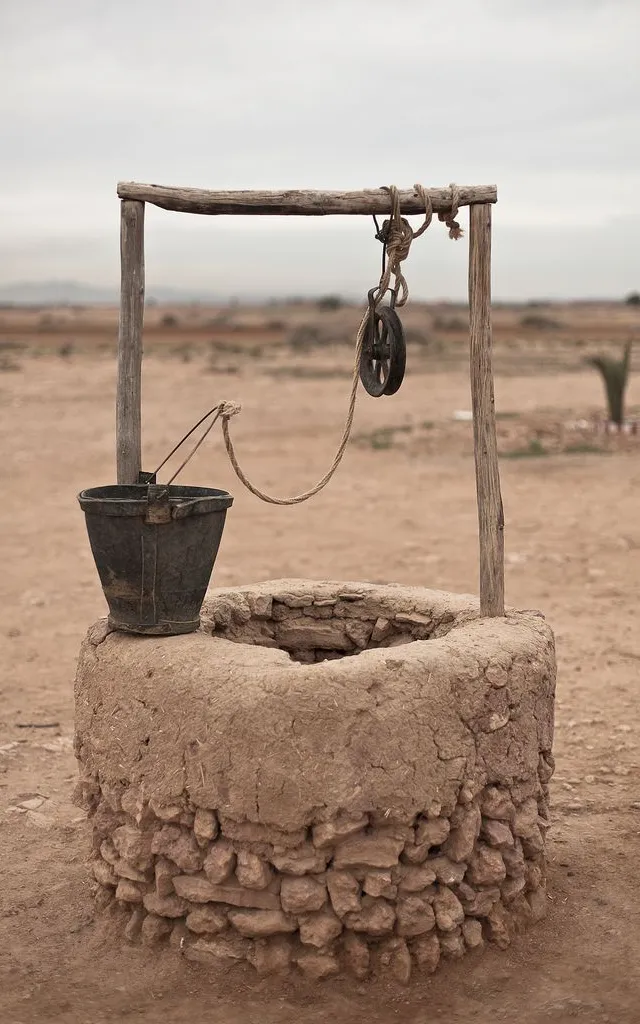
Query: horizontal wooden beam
x=298 y=203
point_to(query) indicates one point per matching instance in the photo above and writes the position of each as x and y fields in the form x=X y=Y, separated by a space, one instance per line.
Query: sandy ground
x=573 y=550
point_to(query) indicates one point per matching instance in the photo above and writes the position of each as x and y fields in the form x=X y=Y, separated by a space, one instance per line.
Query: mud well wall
x=328 y=777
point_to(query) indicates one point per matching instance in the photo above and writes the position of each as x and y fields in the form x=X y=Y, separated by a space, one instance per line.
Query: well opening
x=315 y=622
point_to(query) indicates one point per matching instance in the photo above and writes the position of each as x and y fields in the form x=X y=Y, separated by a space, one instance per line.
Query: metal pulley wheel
x=384 y=354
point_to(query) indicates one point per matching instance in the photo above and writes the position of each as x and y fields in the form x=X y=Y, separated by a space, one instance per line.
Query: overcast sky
x=541 y=97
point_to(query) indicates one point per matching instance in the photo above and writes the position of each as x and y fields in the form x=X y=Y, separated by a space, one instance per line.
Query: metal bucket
x=154 y=547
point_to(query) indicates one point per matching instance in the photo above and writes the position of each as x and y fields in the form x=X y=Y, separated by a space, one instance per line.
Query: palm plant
x=615 y=375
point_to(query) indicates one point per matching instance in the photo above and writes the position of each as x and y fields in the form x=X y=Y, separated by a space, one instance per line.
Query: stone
x=261 y=606
x=255 y=924
x=498 y=926
x=486 y=866
x=164 y=906
x=154 y=929
x=526 y=819
x=368 y=851
x=415 y=916
x=472 y=933
x=496 y=675
x=179 y=846
x=497 y=833
x=132 y=802
x=461 y=841
x=395 y=957
x=447 y=871
x=479 y=904
x=433 y=832
x=108 y=852
x=448 y=910
x=206 y=919
x=415 y=877
x=331 y=832
x=301 y=895
x=302 y=634
x=219 y=862
x=533 y=844
x=381 y=630
x=165 y=872
x=125 y=870
x=128 y=891
x=344 y=892
x=426 y=952
x=134 y=924
x=205 y=825
x=166 y=812
x=359 y=632
x=198 y=889
x=302 y=860
x=256 y=832
x=514 y=859
x=319 y=929
x=252 y=872
x=272 y=956
x=452 y=944
x=413 y=854
x=413 y=619
x=104 y=873
x=356 y=956
x=497 y=803
x=380 y=883
x=319 y=611
x=511 y=888
x=316 y=966
x=533 y=876
x=133 y=846
x=376 y=917
x=537 y=900
x=219 y=950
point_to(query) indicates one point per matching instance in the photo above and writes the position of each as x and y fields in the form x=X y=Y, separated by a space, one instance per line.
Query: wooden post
x=490 y=512
x=128 y=400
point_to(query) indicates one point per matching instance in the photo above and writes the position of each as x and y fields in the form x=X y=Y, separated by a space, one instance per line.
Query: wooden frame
x=318 y=204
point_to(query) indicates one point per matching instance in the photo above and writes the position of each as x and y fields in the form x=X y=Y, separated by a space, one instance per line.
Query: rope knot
x=229 y=409
x=455 y=231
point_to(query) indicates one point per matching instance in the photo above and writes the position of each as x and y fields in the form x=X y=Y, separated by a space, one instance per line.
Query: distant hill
x=73 y=293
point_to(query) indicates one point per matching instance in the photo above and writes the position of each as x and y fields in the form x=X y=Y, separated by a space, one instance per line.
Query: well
x=326 y=777
x=323 y=777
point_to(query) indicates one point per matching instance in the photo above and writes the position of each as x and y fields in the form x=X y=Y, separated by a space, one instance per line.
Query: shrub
x=539 y=322
x=633 y=299
x=329 y=302
x=304 y=338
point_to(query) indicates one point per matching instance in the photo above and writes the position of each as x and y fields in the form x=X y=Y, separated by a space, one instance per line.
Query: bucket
x=154 y=547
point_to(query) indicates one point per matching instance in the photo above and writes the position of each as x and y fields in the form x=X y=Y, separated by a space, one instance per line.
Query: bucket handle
x=217 y=409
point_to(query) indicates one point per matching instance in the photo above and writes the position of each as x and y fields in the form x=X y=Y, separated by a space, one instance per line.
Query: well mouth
x=315 y=622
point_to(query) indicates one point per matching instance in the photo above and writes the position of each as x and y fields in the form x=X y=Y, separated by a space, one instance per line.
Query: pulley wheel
x=384 y=355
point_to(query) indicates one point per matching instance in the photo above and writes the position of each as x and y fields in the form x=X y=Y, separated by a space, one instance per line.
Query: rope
x=229 y=409
x=397 y=235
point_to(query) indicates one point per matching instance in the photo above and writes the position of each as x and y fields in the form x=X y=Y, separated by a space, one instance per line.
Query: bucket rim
x=131 y=500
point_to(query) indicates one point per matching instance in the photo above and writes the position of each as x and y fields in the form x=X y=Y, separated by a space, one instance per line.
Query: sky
x=541 y=97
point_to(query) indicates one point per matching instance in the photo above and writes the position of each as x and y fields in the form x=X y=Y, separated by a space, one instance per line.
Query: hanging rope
x=397 y=235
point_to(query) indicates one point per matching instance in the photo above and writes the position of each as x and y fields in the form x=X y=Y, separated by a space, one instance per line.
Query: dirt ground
x=394 y=512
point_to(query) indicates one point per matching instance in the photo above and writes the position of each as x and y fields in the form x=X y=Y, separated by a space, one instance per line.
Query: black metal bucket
x=154 y=547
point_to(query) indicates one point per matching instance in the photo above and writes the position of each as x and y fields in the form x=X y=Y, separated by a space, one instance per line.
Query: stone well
x=328 y=777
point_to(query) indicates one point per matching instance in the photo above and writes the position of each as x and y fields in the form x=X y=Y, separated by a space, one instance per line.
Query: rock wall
x=364 y=814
